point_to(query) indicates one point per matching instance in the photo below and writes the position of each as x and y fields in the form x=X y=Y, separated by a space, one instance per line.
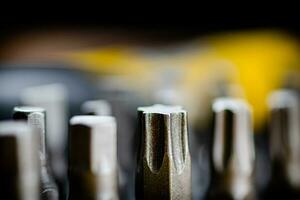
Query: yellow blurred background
x=252 y=63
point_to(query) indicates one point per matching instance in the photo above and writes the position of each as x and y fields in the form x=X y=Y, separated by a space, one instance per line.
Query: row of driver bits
x=163 y=161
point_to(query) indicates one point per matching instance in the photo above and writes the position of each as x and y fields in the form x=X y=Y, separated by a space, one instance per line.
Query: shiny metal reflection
x=36 y=119
x=93 y=158
x=232 y=150
x=164 y=163
x=18 y=162
x=284 y=129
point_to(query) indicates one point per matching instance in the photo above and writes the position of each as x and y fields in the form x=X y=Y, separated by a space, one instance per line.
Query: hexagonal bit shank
x=36 y=119
x=164 y=163
x=285 y=141
x=54 y=99
x=232 y=151
x=18 y=162
x=93 y=158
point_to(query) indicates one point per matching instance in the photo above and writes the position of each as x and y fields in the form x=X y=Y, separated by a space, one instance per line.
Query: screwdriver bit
x=54 y=99
x=18 y=162
x=232 y=153
x=163 y=160
x=96 y=107
x=93 y=158
x=36 y=119
x=284 y=127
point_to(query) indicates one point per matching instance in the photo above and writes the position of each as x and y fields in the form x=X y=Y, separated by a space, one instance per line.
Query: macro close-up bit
x=203 y=108
x=92 y=158
x=19 y=163
x=36 y=119
x=232 y=151
x=284 y=142
x=163 y=159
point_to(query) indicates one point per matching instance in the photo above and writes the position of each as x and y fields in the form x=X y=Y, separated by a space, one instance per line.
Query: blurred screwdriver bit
x=285 y=143
x=54 y=99
x=18 y=162
x=164 y=163
x=36 y=119
x=93 y=158
x=232 y=151
x=96 y=107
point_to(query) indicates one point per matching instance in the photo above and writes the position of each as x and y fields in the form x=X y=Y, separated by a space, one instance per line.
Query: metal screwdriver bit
x=285 y=142
x=96 y=107
x=164 y=163
x=54 y=99
x=232 y=151
x=36 y=119
x=18 y=162
x=93 y=158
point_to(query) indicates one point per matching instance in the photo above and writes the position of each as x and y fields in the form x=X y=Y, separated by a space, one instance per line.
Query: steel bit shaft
x=18 y=162
x=36 y=119
x=285 y=142
x=232 y=151
x=164 y=163
x=93 y=158
x=54 y=99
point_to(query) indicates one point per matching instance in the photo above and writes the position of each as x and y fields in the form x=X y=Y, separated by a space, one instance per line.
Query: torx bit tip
x=164 y=163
